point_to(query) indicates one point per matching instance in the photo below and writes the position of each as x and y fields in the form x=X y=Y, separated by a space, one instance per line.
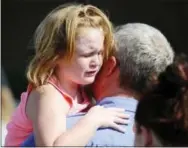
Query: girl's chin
x=88 y=80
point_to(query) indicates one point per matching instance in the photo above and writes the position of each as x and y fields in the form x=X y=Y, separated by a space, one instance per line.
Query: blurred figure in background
x=162 y=116
x=8 y=104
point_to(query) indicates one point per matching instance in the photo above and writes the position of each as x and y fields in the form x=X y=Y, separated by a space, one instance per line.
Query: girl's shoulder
x=46 y=97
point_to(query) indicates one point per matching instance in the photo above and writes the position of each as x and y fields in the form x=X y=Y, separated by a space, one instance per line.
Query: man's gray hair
x=142 y=51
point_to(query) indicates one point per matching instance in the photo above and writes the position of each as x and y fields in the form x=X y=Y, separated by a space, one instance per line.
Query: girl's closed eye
x=86 y=55
x=100 y=52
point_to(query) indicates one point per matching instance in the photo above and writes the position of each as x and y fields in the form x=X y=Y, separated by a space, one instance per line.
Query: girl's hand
x=108 y=117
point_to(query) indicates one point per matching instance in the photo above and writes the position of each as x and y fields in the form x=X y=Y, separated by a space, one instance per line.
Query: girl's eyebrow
x=96 y=49
x=92 y=50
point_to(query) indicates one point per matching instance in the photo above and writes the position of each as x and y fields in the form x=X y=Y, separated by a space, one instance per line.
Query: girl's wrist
x=91 y=121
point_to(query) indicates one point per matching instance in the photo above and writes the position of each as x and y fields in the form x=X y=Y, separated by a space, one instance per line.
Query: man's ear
x=154 y=79
x=110 y=65
x=183 y=71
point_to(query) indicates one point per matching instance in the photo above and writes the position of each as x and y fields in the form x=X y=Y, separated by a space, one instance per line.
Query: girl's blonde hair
x=55 y=38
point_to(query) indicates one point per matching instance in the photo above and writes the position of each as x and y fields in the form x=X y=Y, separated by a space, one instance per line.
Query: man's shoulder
x=111 y=137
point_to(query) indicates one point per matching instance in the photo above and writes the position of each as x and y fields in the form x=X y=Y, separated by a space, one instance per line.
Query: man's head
x=142 y=53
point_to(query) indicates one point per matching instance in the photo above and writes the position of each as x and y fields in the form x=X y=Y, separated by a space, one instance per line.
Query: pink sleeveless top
x=20 y=127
